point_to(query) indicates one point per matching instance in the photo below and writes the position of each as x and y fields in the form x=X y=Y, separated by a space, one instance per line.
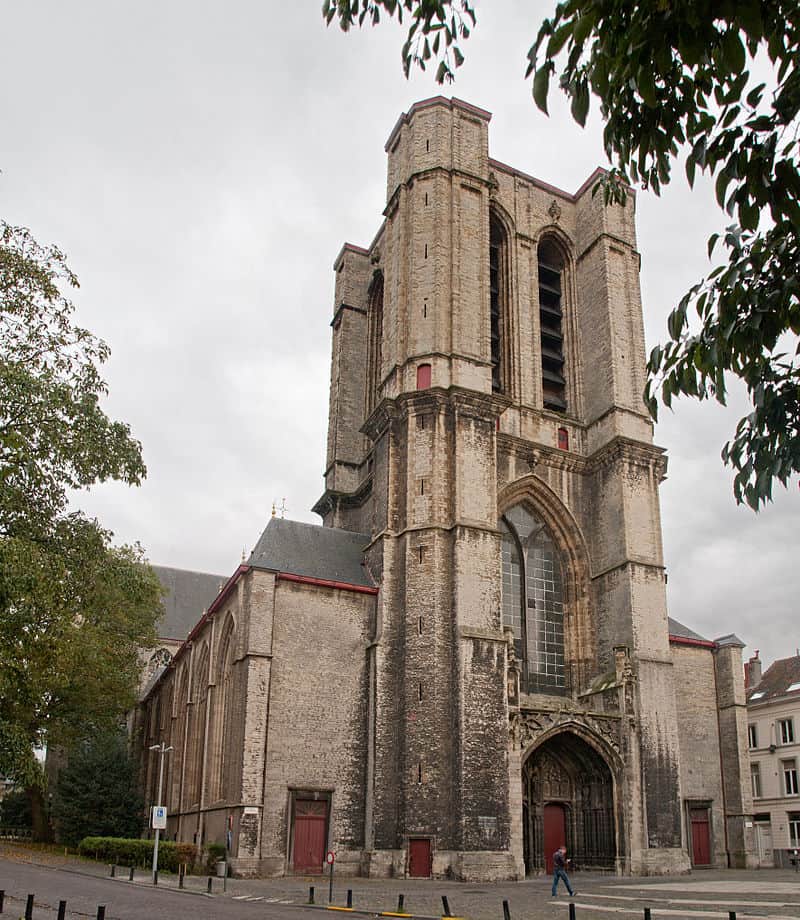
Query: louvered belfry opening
x=498 y=286
x=551 y=272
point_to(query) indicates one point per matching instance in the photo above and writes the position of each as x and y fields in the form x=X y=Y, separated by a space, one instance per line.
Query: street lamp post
x=163 y=750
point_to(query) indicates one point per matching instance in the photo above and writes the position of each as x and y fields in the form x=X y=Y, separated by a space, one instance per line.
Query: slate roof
x=188 y=595
x=683 y=632
x=777 y=679
x=312 y=551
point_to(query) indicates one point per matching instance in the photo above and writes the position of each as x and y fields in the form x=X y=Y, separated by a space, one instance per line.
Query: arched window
x=375 y=353
x=224 y=753
x=180 y=742
x=195 y=761
x=533 y=600
x=498 y=301
x=551 y=271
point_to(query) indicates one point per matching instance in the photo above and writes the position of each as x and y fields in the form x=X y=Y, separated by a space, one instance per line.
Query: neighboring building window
x=752 y=736
x=498 y=299
x=755 y=780
x=786 y=731
x=563 y=439
x=423 y=376
x=375 y=354
x=551 y=271
x=789 y=777
x=533 y=599
x=794 y=829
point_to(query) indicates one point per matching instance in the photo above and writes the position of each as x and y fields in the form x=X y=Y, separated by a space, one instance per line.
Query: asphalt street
x=703 y=895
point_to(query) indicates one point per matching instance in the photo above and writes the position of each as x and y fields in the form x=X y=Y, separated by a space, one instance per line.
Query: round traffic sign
x=330 y=857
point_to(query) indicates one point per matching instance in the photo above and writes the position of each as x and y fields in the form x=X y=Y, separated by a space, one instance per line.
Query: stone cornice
x=618 y=448
x=340 y=310
x=331 y=498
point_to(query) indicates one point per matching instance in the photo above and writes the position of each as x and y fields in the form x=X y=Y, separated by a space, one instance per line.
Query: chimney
x=752 y=672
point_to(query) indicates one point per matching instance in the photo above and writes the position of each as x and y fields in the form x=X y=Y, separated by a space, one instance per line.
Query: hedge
x=123 y=851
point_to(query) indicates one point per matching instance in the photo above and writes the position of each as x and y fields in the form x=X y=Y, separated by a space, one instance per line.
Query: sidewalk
x=755 y=893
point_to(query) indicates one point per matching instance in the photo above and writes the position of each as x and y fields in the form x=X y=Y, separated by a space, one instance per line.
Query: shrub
x=139 y=853
x=215 y=852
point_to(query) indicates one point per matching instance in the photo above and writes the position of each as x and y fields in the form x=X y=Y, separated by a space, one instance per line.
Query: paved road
x=123 y=901
x=704 y=895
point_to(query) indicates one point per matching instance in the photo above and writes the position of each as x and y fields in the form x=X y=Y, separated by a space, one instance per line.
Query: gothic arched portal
x=568 y=790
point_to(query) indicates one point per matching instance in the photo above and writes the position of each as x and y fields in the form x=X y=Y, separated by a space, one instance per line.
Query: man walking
x=560 y=871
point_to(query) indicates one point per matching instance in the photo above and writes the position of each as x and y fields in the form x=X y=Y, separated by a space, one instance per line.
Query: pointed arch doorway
x=568 y=798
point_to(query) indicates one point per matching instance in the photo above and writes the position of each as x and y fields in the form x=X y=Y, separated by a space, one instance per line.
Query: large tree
x=74 y=609
x=96 y=792
x=680 y=80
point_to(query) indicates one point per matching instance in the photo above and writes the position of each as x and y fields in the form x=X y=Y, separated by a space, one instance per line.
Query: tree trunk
x=40 y=822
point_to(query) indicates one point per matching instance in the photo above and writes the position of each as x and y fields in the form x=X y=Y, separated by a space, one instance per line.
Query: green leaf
x=541 y=85
x=558 y=39
x=580 y=104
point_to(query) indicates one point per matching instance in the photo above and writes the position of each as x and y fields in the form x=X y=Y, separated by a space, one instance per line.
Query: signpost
x=158 y=817
x=330 y=859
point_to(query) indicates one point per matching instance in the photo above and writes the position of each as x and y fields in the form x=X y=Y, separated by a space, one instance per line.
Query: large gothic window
x=498 y=300
x=551 y=271
x=533 y=600
x=375 y=352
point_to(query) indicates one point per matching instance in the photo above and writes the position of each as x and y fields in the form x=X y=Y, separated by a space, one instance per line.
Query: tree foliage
x=75 y=612
x=680 y=80
x=53 y=434
x=73 y=609
x=96 y=792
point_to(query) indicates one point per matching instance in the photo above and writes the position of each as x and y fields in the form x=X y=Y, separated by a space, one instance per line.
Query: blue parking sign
x=159 y=817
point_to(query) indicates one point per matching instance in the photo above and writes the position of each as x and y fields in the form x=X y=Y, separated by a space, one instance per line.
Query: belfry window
x=533 y=600
x=375 y=355
x=551 y=271
x=498 y=298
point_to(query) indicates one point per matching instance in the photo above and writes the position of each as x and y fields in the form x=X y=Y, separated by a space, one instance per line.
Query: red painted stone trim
x=324 y=583
x=699 y=643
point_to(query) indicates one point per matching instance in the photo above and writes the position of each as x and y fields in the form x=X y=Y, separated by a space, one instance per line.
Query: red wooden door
x=701 y=837
x=555 y=832
x=419 y=858
x=310 y=832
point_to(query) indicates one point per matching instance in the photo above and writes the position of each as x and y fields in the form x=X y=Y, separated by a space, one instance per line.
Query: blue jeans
x=557 y=874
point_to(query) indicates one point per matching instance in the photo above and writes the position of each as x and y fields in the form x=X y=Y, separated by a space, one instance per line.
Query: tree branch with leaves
x=676 y=80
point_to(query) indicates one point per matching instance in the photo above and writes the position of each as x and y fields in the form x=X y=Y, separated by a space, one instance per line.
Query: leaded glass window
x=533 y=599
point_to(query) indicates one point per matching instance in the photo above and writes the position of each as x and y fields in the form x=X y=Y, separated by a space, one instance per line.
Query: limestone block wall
x=701 y=779
x=316 y=727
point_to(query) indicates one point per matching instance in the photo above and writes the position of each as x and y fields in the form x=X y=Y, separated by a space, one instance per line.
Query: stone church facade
x=471 y=661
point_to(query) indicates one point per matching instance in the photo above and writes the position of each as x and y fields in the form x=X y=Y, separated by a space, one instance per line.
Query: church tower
x=487 y=430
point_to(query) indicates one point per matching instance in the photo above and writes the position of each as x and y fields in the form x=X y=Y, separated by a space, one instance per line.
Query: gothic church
x=471 y=661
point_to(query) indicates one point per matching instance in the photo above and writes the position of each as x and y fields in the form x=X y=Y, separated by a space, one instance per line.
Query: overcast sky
x=201 y=165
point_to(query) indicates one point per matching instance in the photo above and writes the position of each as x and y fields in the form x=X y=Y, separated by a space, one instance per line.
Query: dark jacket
x=558 y=860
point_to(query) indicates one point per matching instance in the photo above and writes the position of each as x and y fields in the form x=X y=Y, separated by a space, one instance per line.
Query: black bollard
x=130 y=874
x=209 y=884
x=350 y=898
x=731 y=915
x=506 y=911
x=181 y=871
x=101 y=912
x=113 y=871
x=446 y=907
x=647 y=913
x=29 y=908
x=400 y=901
x=155 y=877
x=571 y=911
x=62 y=910
x=310 y=894
x=2 y=898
